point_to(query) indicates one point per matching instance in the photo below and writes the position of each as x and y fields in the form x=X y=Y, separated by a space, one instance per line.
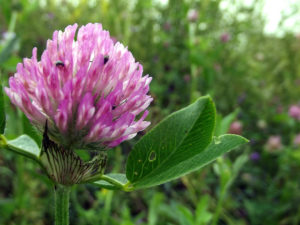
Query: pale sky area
x=272 y=9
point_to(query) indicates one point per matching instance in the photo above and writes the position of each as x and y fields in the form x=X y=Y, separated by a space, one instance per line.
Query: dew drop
x=139 y=160
x=135 y=173
x=152 y=156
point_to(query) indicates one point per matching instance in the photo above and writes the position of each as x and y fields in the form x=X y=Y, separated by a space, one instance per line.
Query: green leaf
x=6 y=9
x=11 y=63
x=113 y=181
x=8 y=49
x=153 y=212
x=25 y=146
x=30 y=130
x=160 y=155
x=202 y=215
x=218 y=147
x=185 y=215
x=2 y=112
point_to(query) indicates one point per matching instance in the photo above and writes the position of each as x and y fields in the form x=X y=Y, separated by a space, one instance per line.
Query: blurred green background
x=190 y=48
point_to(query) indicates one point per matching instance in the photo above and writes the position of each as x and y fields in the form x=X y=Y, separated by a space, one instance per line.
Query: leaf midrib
x=208 y=146
x=184 y=137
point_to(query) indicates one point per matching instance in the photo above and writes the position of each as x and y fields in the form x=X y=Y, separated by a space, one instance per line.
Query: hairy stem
x=62 y=197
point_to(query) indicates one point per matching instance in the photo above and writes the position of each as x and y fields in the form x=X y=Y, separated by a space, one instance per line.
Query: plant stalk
x=62 y=197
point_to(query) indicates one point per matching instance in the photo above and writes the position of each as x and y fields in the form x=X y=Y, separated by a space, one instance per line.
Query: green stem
x=62 y=197
x=193 y=67
x=12 y=23
x=219 y=205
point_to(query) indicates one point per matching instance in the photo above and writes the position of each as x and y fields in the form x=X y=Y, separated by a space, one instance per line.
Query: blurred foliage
x=221 y=52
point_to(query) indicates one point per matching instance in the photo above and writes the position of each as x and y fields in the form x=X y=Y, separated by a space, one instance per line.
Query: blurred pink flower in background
x=294 y=112
x=166 y=44
x=225 y=37
x=217 y=67
x=167 y=26
x=236 y=128
x=193 y=15
x=187 y=78
x=296 y=141
x=280 y=109
x=88 y=89
x=297 y=82
x=273 y=143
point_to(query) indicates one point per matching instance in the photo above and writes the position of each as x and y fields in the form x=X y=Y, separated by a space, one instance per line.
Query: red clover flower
x=88 y=89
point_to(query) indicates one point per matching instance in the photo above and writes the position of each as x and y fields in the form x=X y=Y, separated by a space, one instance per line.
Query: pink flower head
x=187 y=78
x=225 y=37
x=294 y=112
x=193 y=15
x=236 y=128
x=274 y=143
x=88 y=89
x=297 y=140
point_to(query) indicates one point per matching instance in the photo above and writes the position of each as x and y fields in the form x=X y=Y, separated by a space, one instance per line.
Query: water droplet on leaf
x=152 y=156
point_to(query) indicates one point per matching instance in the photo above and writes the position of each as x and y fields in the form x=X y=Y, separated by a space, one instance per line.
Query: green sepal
x=113 y=181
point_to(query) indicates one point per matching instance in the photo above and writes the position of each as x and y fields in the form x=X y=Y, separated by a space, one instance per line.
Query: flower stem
x=194 y=93
x=62 y=197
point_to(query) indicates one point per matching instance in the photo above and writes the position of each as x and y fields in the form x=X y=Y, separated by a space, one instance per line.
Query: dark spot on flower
x=121 y=103
x=105 y=59
x=59 y=64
